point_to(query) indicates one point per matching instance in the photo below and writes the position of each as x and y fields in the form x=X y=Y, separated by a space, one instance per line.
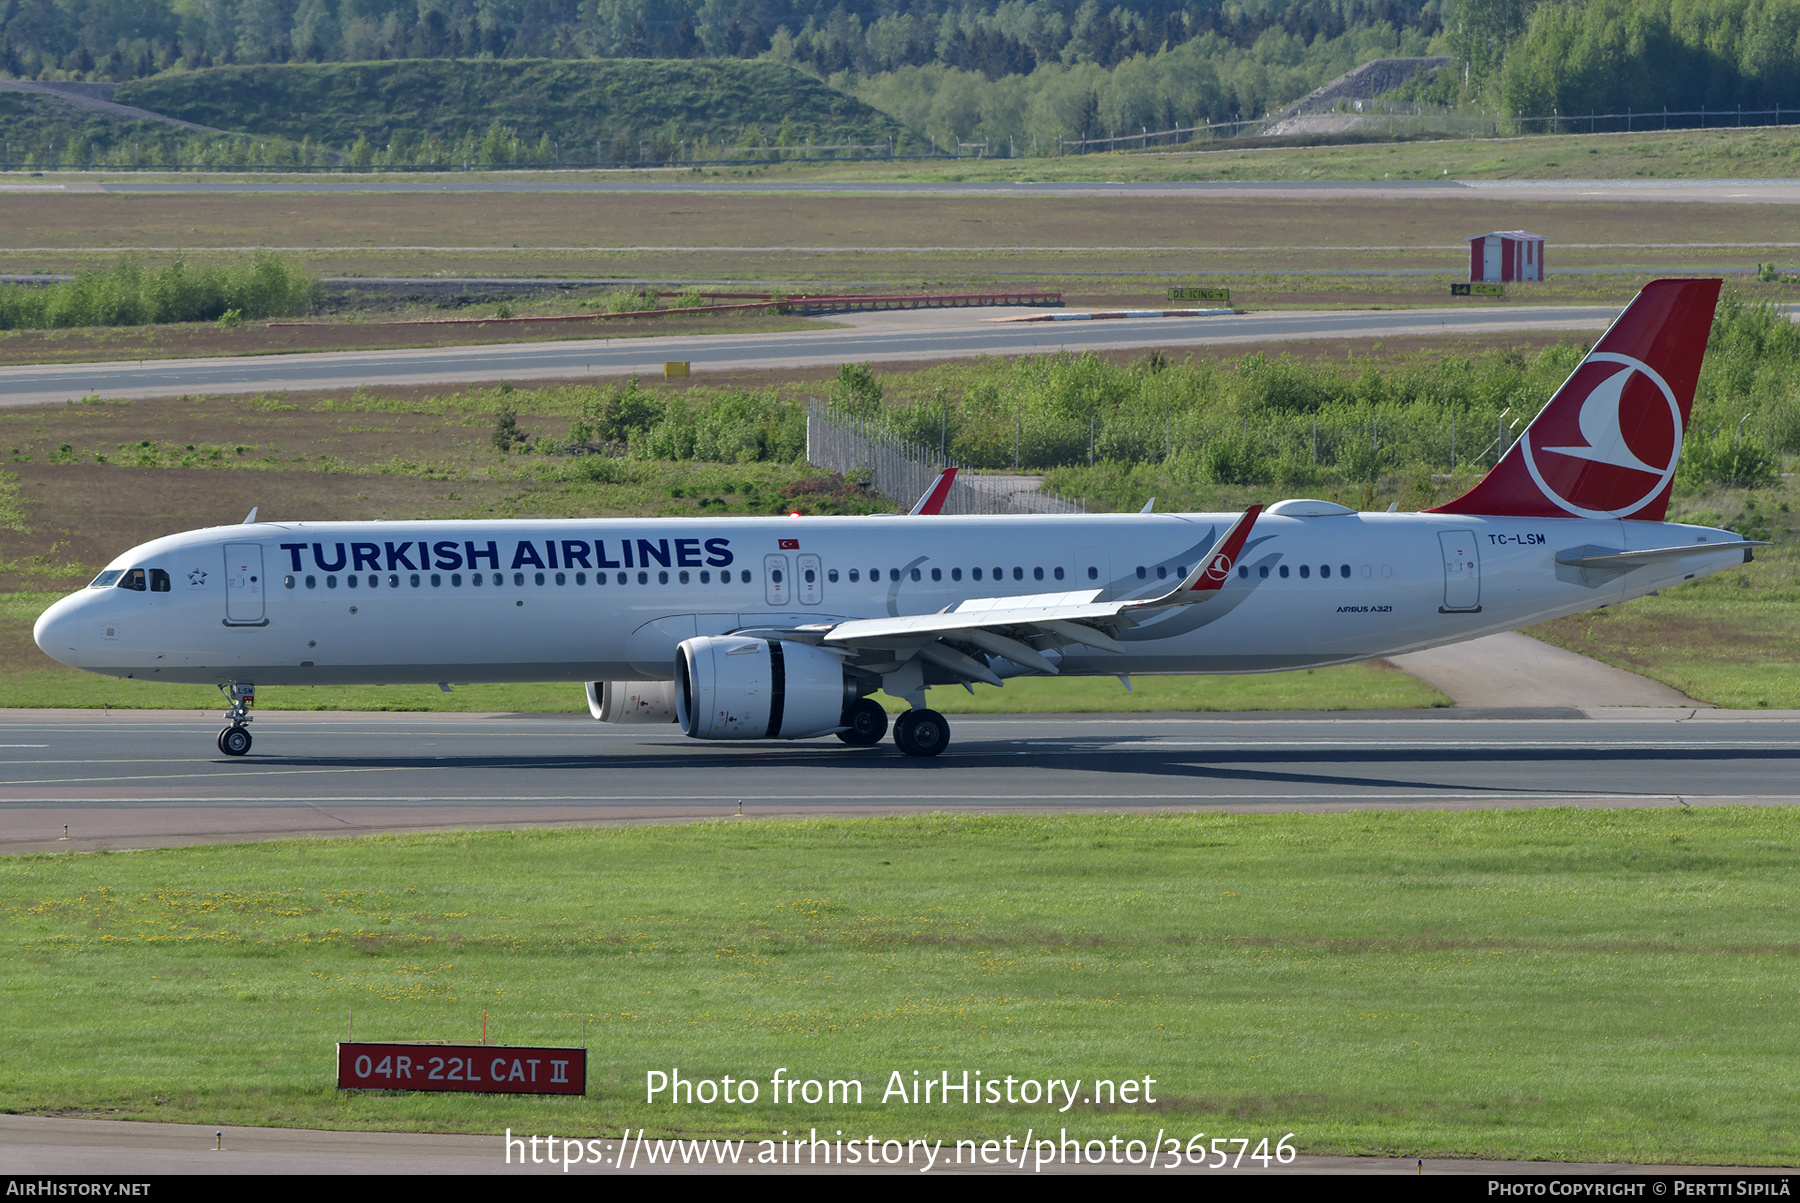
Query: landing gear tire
x=921 y=733
x=234 y=741
x=865 y=722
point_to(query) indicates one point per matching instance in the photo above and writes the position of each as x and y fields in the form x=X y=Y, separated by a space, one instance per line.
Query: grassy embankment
x=439 y=111
x=1572 y=985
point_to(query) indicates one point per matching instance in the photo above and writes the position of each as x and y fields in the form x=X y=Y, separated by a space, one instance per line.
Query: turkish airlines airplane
x=781 y=628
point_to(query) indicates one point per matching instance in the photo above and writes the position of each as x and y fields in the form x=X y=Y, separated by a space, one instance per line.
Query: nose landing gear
x=235 y=739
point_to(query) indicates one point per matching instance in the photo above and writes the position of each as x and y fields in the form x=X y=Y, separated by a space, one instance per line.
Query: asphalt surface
x=875 y=337
x=149 y=779
x=681 y=181
x=133 y=1150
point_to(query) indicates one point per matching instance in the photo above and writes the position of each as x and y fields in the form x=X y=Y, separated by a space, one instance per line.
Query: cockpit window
x=159 y=581
x=107 y=579
x=133 y=579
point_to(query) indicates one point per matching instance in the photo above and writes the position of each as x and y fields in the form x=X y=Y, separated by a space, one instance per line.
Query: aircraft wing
x=1023 y=628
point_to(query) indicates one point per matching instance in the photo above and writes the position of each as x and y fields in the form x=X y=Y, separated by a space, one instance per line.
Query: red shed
x=1505 y=256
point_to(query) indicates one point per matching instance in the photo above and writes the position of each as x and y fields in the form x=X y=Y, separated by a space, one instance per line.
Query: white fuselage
x=590 y=600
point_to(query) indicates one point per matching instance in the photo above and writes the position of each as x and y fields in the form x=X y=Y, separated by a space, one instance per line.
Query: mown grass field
x=1573 y=985
x=1072 y=242
x=1732 y=639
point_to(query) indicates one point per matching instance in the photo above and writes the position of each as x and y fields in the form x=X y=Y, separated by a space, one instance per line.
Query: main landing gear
x=865 y=722
x=921 y=733
x=235 y=739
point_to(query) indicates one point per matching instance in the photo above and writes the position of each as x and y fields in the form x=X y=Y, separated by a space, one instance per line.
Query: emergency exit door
x=244 y=584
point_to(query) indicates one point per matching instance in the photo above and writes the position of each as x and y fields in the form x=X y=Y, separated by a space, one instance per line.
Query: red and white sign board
x=471 y=1068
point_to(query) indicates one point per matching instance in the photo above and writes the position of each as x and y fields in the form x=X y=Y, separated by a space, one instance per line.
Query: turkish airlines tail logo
x=1607 y=443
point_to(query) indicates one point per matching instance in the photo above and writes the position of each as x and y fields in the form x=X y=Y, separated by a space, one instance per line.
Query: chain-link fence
x=902 y=470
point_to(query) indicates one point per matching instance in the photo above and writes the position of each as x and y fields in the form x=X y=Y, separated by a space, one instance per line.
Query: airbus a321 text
x=781 y=628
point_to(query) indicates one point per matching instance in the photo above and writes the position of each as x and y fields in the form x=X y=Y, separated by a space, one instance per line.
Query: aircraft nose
x=55 y=631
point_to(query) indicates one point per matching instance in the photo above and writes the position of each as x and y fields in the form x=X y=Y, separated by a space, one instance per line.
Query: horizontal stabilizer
x=1621 y=561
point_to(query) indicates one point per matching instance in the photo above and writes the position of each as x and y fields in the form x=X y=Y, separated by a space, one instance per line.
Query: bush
x=1727 y=461
x=128 y=295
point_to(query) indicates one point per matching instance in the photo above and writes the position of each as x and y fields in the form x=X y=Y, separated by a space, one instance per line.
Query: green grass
x=1732 y=639
x=1570 y=985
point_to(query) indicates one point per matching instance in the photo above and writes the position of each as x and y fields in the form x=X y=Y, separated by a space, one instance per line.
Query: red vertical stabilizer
x=1607 y=444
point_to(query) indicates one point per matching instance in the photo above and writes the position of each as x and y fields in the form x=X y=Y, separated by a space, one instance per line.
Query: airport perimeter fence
x=1399 y=118
x=901 y=470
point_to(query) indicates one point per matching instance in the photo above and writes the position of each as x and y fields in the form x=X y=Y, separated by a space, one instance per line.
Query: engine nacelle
x=632 y=701
x=736 y=687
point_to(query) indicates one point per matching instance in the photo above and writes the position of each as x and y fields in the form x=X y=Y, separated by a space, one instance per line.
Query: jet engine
x=737 y=687
x=632 y=701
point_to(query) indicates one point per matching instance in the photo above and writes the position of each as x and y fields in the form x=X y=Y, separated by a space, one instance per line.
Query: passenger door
x=244 y=585
x=1462 y=572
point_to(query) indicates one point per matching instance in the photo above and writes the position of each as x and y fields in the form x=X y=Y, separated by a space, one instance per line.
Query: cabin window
x=915 y=574
x=811 y=577
x=1305 y=572
x=394 y=580
x=437 y=581
x=976 y=573
x=518 y=578
x=662 y=578
x=413 y=580
x=682 y=577
x=331 y=582
x=1161 y=572
x=831 y=575
x=475 y=578
x=1325 y=571
x=1059 y=572
x=776 y=576
x=705 y=577
x=893 y=574
x=1344 y=571
x=288 y=581
x=581 y=578
x=1243 y=573
x=455 y=580
x=1093 y=573
x=1263 y=572
x=956 y=574
x=561 y=579
x=937 y=574
x=1143 y=572
x=350 y=581
x=1284 y=572
x=855 y=576
x=643 y=578
x=312 y=582
x=537 y=578
x=1037 y=574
